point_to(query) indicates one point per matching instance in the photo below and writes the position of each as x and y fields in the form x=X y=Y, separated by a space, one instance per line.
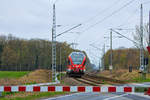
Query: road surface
x=107 y=96
x=101 y=96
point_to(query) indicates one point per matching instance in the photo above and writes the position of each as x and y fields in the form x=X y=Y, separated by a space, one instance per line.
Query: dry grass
x=121 y=74
x=37 y=76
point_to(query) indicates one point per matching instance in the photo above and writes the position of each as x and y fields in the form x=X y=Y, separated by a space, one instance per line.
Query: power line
x=116 y=11
x=104 y=10
x=129 y=18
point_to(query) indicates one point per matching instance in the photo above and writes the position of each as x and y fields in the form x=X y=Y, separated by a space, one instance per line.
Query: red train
x=76 y=64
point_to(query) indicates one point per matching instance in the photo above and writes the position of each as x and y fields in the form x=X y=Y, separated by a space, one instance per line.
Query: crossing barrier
x=66 y=89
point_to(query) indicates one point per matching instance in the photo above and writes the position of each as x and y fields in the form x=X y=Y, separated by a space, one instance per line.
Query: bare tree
x=137 y=35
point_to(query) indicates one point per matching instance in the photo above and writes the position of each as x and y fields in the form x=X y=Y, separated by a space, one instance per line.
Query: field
x=12 y=74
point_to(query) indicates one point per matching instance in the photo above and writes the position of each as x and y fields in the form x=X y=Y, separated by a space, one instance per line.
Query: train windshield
x=77 y=58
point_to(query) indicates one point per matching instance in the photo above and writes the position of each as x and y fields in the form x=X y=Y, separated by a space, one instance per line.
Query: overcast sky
x=33 y=19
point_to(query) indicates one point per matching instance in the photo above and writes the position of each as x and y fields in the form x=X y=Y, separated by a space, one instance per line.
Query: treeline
x=123 y=58
x=19 y=54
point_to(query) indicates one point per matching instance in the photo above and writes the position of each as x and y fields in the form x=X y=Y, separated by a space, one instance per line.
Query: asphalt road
x=101 y=96
x=107 y=96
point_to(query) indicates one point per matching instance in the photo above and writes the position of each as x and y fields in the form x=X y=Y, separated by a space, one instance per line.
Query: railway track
x=94 y=80
x=91 y=79
x=87 y=81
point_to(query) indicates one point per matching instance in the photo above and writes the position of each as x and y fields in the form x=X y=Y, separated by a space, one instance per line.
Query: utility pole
x=111 y=66
x=99 y=65
x=54 y=45
x=149 y=29
x=60 y=64
x=104 y=57
x=141 y=44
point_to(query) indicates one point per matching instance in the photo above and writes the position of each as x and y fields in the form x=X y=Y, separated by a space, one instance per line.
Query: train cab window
x=77 y=58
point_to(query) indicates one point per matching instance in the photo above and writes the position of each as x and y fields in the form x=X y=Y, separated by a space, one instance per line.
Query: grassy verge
x=137 y=80
x=141 y=89
x=30 y=96
x=30 y=83
x=12 y=74
x=60 y=76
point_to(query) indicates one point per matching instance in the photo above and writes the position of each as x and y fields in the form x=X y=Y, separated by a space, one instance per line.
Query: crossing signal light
x=148 y=48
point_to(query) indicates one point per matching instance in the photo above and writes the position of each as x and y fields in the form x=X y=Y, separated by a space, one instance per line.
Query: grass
x=12 y=74
x=34 y=96
x=30 y=83
x=61 y=80
x=141 y=89
x=62 y=75
x=141 y=80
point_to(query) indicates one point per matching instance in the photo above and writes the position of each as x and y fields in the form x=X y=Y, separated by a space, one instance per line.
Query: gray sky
x=33 y=19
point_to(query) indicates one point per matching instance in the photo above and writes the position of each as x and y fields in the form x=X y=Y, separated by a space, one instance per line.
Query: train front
x=76 y=64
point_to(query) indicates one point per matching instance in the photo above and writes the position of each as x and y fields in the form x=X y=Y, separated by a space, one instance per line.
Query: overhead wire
x=119 y=25
x=106 y=17
x=115 y=12
x=129 y=18
x=99 y=13
x=104 y=10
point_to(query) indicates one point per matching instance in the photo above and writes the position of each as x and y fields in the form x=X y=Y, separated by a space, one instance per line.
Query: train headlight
x=78 y=66
x=81 y=66
x=73 y=66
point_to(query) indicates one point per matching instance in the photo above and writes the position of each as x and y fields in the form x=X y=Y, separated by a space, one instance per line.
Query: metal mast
x=142 y=66
x=141 y=39
x=99 y=65
x=111 y=66
x=54 y=45
x=104 y=57
x=60 y=63
x=149 y=28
